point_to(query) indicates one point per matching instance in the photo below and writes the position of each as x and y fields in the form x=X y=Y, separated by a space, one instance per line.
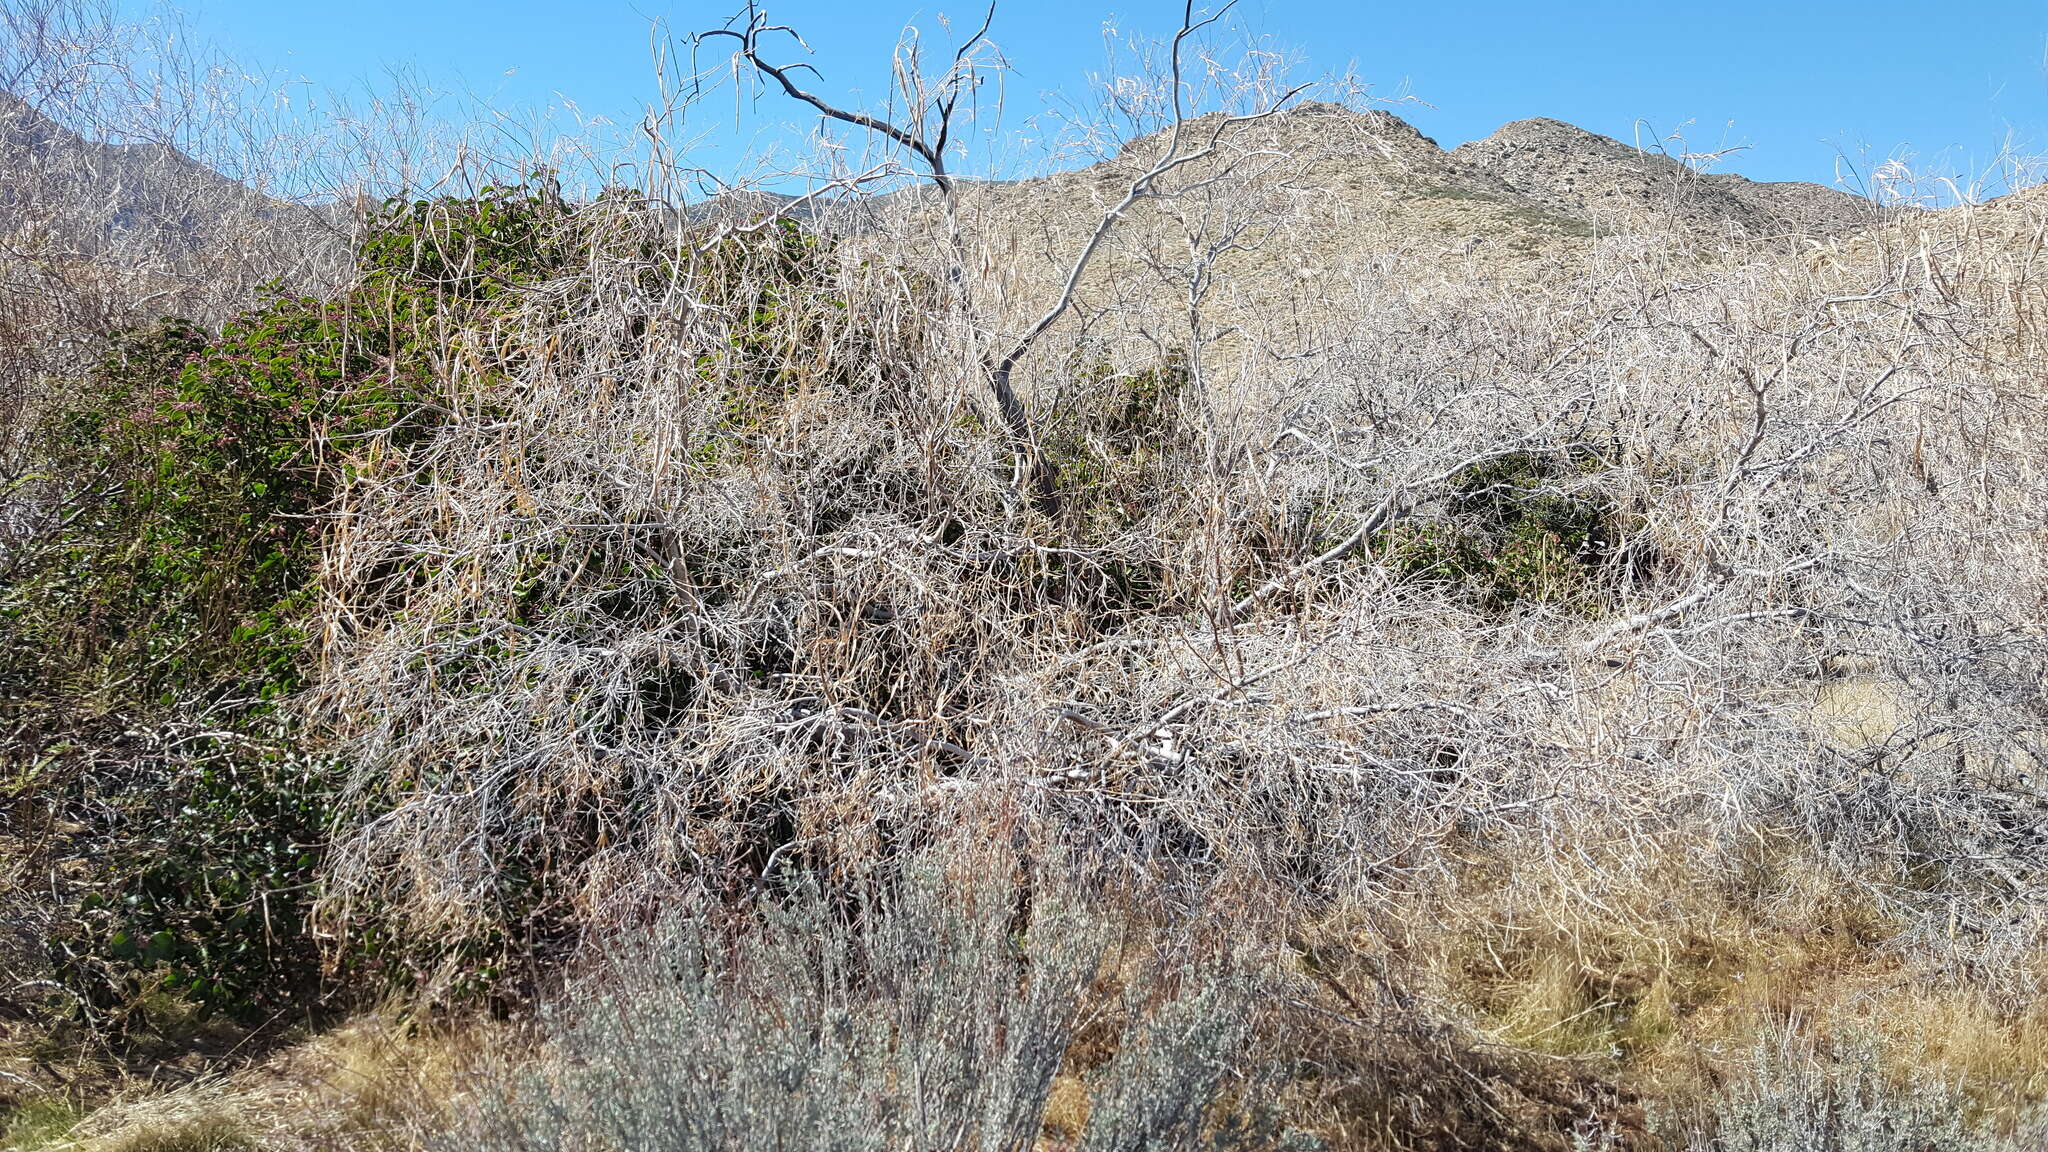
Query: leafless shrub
x=850 y=612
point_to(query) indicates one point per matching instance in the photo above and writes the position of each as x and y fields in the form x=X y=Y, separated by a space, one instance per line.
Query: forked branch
x=929 y=133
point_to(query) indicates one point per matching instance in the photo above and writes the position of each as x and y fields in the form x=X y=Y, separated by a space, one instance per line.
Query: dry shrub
x=835 y=621
x=1796 y=1095
x=917 y=1009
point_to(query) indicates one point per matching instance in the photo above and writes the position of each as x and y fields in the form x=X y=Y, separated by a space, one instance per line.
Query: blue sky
x=1799 y=83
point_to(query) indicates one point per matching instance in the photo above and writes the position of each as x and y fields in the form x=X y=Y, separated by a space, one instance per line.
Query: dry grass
x=369 y=1083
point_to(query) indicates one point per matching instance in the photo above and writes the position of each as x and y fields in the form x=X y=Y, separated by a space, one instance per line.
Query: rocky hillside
x=1570 y=171
x=97 y=195
x=1372 y=182
x=1294 y=215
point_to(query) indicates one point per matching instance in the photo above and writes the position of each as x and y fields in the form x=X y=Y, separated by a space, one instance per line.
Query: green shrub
x=209 y=903
x=467 y=250
x=1521 y=528
x=154 y=635
x=152 y=632
x=1107 y=438
x=1116 y=442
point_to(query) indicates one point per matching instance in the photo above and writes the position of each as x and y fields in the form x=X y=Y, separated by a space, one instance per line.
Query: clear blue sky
x=1797 y=82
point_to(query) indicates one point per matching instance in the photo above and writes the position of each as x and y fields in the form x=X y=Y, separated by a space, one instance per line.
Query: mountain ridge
x=97 y=194
x=1529 y=185
x=1545 y=175
x=1571 y=169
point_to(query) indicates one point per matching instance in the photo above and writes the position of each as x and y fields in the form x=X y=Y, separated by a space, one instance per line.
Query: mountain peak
x=1540 y=126
x=1545 y=133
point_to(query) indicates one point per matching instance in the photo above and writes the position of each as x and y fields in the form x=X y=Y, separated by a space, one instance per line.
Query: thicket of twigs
x=1533 y=644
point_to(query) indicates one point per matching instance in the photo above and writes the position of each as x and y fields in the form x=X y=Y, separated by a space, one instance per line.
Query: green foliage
x=179 y=591
x=1520 y=528
x=150 y=633
x=40 y=1123
x=777 y=286
x=1112 y=444
x=210 y=906
x=182 y=578
x=1106 y=441
x=466 y=250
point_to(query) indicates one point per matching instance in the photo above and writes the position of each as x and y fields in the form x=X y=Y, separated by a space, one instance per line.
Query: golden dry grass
x=367 y=1084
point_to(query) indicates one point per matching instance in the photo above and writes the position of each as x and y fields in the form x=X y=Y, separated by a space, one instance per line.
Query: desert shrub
x=148 y=637
x=174 y=581
x=204 y=902
x=154 y=626
x=190 y=471
x=657 y=567
x=1117 y=442
x=922 y=1006
x=949 y=998
x=466 y=250
x=1109 y=425
x=1524 y=527
x=1796 y=1098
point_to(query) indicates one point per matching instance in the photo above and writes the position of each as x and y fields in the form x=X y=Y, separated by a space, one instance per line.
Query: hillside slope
x=89 y=196
x=1383 y=184
x=1288 y=213
x=1598 y=180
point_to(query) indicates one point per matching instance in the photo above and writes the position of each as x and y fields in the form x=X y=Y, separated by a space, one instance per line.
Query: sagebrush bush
x=1794 y=1097
x=933 y=1004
